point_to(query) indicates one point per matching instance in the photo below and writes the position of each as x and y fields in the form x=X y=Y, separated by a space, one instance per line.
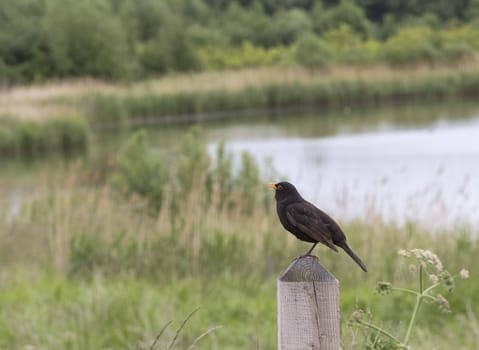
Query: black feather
x=309 y=223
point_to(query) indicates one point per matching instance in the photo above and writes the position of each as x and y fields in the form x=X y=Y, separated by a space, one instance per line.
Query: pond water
x=416 y=162
x=427 y=175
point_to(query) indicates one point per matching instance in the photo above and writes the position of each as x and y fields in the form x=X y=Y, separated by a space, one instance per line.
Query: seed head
x=442 y=304
x=383 y=288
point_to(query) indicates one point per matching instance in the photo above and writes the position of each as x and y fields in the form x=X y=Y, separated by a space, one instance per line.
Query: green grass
x=123 y=312
x=49 y=311
x=31 y=138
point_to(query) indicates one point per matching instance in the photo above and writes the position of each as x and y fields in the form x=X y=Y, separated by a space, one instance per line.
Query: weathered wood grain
x=308 y=307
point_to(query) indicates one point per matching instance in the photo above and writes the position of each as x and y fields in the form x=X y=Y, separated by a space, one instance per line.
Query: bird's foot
x=304 y=256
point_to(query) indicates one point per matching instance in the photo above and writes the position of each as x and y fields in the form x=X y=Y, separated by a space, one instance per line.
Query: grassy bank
x=318 y=91
x=94 y=263
x=39 y=116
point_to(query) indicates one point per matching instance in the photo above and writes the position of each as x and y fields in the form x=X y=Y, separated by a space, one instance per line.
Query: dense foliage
x=125 y=39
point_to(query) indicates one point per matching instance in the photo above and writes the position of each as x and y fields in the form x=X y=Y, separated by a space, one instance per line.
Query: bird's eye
x=279 y=187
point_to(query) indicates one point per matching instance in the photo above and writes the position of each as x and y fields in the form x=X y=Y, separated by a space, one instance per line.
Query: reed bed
x=270 y=94
x=39 y=101
x=58 y=116
x=31 y=138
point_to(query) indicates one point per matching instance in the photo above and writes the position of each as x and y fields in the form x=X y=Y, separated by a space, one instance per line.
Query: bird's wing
x=307 y=218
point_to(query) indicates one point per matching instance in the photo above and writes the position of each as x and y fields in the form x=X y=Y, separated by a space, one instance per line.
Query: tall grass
x=83 y=95
x=107 y=264
x=30 y=138
x=317 y=91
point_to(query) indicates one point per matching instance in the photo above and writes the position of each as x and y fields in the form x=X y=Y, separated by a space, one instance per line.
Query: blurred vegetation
x=55 y=123
x=271 y=55
x=266 y=93
x=107 y=262
x=130 y=39
x=31 y=138
x=168 y=178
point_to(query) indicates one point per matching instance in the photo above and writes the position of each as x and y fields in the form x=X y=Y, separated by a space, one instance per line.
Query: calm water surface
x=424 y=168
x=427 y=175
x=403 y=162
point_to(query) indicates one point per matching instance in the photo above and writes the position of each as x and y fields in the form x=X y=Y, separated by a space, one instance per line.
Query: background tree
x=84 y=39
x=125 y=39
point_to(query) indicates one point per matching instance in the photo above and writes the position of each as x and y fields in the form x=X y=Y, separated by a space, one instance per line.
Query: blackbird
x=307 y=222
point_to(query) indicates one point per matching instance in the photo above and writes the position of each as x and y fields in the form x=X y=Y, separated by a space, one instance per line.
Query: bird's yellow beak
x=272 y=185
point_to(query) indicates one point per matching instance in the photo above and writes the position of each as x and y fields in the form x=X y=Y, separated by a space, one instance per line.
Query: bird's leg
x=311 y=249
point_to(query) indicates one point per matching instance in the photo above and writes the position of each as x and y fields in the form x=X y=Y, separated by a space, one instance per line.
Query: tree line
x=133 y=39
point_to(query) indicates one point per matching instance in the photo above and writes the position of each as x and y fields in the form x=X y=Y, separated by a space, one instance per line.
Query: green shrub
x=244 y=55
x=412 y=45
x=372 y=51
x=192 y=161
x=312 y=52
x=455 y=51
x=346 y=45
x=140 y=171
x=346 y=12
x=87 y=253
x=292 y=24
x=186 y=173
x=458 y=43
x=153 y=58
x=84 y=39
x=170 y=50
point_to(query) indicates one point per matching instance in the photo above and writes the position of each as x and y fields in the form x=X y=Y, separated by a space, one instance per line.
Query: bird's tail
x=354 y=256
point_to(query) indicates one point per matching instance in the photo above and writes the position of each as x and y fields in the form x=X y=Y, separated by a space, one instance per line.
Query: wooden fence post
x=308 y=307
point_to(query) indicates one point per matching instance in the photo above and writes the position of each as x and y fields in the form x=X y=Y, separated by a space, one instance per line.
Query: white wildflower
x=433 y=278
x=464 y=274
x=428 y=257
x=417 y=253
x=442 y=303
x=403 y=252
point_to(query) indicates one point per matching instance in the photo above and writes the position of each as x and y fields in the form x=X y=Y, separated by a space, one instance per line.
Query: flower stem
x=415 y=310
x=431 y=288
x=380 y=330
x=405 y=290
x=420 y=280
x=413 y=319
